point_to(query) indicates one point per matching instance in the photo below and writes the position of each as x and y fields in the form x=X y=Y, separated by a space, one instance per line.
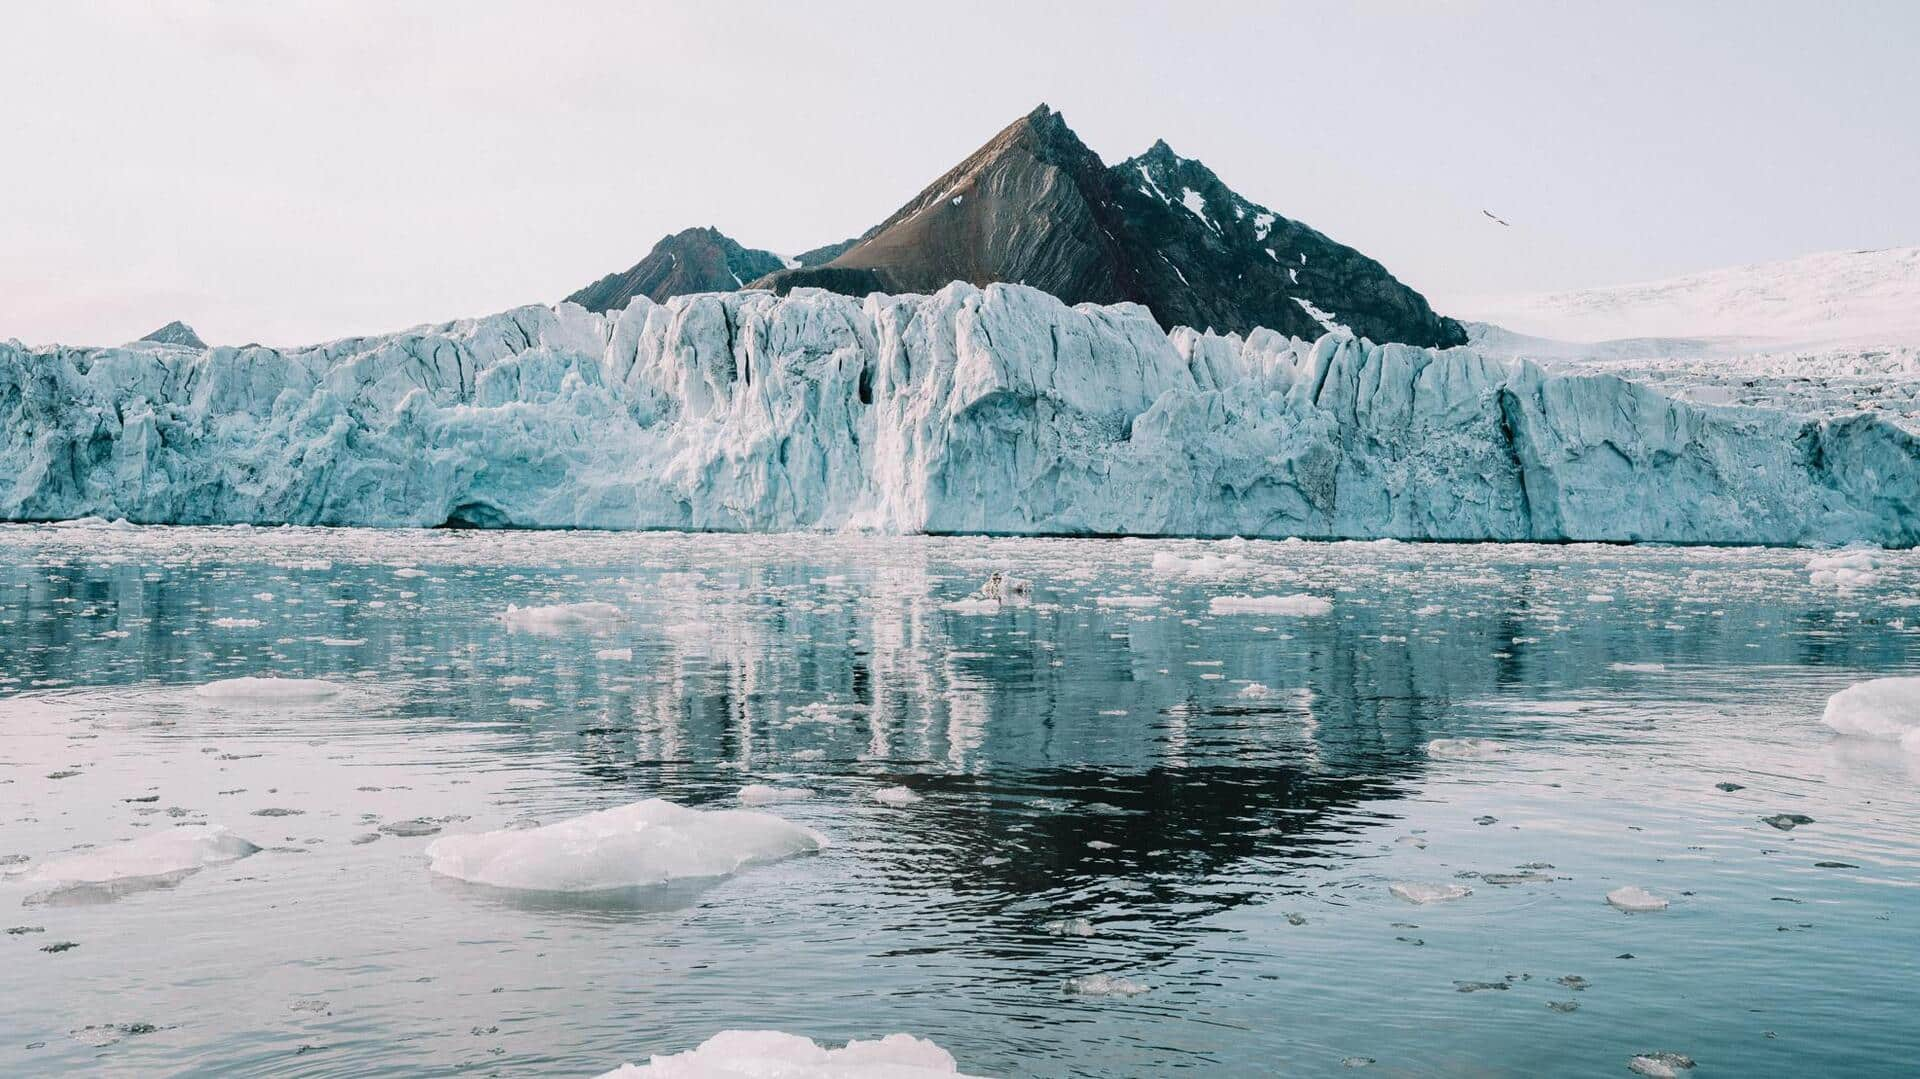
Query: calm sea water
x=1232 y=850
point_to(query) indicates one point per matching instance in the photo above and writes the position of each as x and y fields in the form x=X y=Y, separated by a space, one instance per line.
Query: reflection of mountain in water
x=1042 y=729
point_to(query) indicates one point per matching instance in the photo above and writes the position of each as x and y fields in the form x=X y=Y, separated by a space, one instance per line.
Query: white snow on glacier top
x=1836 y=298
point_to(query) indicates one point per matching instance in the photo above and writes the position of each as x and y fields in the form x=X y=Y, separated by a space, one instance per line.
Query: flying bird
x=1492 y=218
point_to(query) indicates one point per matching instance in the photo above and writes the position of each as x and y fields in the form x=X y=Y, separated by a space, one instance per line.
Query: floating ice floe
x=1882 y=708
x=895 y=796
x=771 y=1054
x=761 y=794
x=150 y=861
x=269 y=690
x=1127 y=601
x=1856 y=567
x=973 y=605
x=1465 y=749
x=1298 y=605
x=614 y=653
x=1660 y=1065
x=1415 y=892
x=560 y=617
x=1104 y=985
x=1168 y=564
x=1256 y=691
x=1637 y=668
x=236 y=623
x=632 y=846
x=1070 y=927
x=1635 y=900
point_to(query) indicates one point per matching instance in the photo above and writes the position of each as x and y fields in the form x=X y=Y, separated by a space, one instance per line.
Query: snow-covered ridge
x=994 y=410
x=1831 y=300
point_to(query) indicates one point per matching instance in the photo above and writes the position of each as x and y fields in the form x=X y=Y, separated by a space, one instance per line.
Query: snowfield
x=996 y=410
x=1829 y=334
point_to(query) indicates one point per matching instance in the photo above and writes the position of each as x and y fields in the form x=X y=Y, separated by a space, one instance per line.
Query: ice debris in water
x=631 y=846
x=560 y=617
x=1256 y=691
x=1883 y=708
x=1005 y=586
x=1465 y=749
x=1070 y=927
x=771 y=1054
x=1415 y=892
x=1103 y=985
x=895 y=796
x=269 y=690
x=1127 y=601
x=1298 y=605
x=168 y=854
x=1855 y=567
x=1661 y=1065
x=760 y=794
x=973 y=605
x=1168 y=564
x=1635 y=900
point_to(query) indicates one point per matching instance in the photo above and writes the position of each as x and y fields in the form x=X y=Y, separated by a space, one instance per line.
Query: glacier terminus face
x=996 y=410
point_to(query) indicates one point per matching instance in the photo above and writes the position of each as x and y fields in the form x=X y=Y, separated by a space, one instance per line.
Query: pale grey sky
x=292 y=172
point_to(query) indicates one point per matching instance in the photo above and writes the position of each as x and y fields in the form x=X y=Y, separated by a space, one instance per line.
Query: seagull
x=1492 y=218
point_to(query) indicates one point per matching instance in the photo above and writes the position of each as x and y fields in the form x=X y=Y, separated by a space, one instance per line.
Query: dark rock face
x=697 y=260
x=176 y=333
x=1037 y=207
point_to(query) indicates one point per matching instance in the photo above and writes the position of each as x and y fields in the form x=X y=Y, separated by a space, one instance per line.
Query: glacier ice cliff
x=996 y=410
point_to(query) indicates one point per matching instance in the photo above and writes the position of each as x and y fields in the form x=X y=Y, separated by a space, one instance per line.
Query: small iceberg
x=632 y=846
x=153 y=861
x=561 y=617
x=1415 y=892
x=895 y=796
x=269 y=690
x=1298 y=605
x=761 y=794
x=1635 y=900
x=771 y=1054
x=1884 y=708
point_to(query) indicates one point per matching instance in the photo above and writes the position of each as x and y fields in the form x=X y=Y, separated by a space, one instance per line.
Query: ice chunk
x=895 y=796
x=561 y=617
x=1635 y=899
x=1416 y=892
x=269 y=690
x=973 y=605
x=1298 y=605
x=1883 y=708
x=1127 y=601
x=1256 y=691
x=632 y=846
x=1104 y=985
x=1660 y=1065
x=150 y=861
x=760 y=794
x=614 y=653
x=1851 y=568
x=1465 y=749
x=236 y=623
x=770 y=1054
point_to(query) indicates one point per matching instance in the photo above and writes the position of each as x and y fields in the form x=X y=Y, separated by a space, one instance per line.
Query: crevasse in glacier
x=995 y=410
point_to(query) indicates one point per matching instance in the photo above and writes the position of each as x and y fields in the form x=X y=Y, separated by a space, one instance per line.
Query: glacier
x=994 y=410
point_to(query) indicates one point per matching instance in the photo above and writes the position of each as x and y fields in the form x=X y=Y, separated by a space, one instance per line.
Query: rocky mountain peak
x=176 y=333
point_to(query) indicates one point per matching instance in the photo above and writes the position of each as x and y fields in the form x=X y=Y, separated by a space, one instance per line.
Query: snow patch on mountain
x=996 y=410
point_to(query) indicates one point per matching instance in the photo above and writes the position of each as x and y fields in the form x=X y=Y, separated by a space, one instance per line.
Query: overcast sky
x=289 y=172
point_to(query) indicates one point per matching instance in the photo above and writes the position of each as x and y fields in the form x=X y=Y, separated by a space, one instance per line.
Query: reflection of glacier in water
x=1212 y=805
